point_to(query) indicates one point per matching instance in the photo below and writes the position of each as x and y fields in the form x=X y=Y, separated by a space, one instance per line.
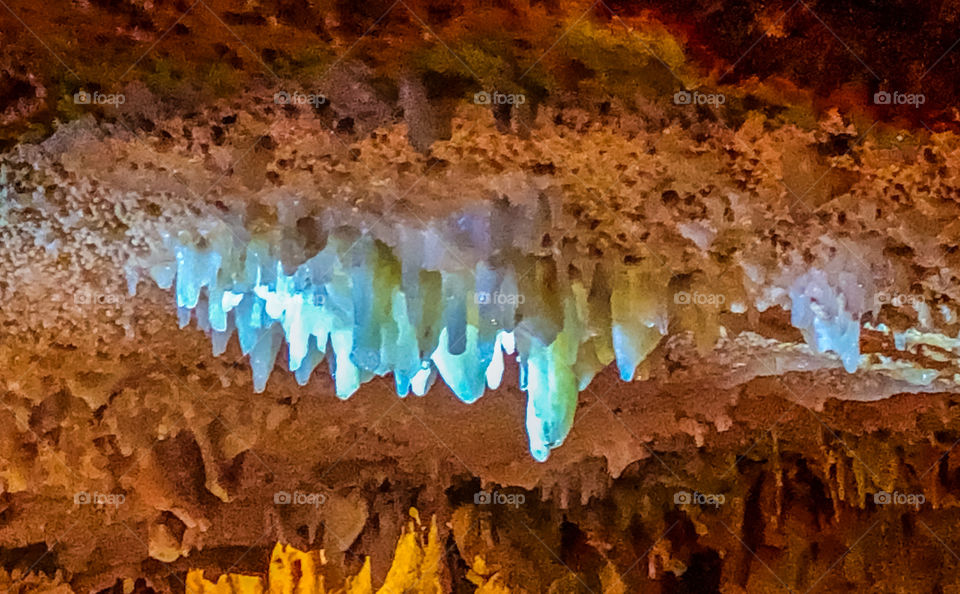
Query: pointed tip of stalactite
x=365 y=312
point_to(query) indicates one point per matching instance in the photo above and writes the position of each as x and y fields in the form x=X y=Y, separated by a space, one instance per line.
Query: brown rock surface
x=129 y=452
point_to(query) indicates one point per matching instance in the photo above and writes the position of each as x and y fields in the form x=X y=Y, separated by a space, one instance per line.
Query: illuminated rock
x=450 y=300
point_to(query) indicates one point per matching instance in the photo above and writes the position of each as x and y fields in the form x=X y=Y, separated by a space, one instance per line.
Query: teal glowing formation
x=455 y=300
x=417 y=313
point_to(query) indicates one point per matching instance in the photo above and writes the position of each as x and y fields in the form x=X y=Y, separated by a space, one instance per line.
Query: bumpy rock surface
x=792 y=427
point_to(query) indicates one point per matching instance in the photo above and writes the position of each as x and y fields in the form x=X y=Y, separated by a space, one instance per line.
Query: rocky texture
x=132 y=455
x=107 y=396
x=785 y=57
